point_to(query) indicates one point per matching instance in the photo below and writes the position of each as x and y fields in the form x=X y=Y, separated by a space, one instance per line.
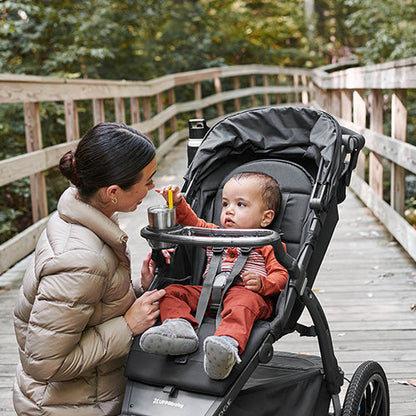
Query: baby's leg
x=180 y=301
x=242 y=308
x=176 y=335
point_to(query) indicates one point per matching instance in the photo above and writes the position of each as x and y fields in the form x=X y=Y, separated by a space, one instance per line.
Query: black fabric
x=295 y=184
x=273 y=132
x=289 y=385
x=159 y=370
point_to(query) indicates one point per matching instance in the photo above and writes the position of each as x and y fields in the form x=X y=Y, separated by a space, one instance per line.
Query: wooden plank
x=198 y=96
x=236 y=86
x=394 y=222
x=217 y=86
x=390 y=75
x=375 y=160
x=21 y=245
x=159 y=109
x=98 y=112
x=399 y=152
x=119 y=110
x=134 y=110
x=34 y=142
x=346 y=105
x=71 y=120
x=266 y=84
x=171 y=101
x=359 y=117
x=27 y=164
x=398 y=126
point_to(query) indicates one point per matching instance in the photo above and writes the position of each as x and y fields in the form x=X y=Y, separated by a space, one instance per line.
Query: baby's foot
x=221 y=353
x=173 y=337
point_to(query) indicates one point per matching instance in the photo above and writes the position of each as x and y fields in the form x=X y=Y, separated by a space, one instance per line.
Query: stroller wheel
x=368 y=392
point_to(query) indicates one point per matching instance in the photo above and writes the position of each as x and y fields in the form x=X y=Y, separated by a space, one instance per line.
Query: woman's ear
x=112 y=192
x=268 y=216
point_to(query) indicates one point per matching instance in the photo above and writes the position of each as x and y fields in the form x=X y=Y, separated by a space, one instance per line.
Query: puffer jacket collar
x=74 y=211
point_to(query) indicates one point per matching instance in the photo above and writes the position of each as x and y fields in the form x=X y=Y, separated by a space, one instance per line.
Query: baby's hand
x=252 y=281
x=176 y=194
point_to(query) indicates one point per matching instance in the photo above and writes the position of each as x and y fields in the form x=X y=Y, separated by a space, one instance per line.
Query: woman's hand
x=144 y=312
x=252 y=281
x=176 y=194
x=148 y=271
x=148 y=267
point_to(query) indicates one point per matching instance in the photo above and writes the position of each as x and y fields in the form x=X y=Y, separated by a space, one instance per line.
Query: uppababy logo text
x=162 y=402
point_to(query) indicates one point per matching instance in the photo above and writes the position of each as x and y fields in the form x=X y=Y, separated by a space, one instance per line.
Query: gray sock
x=221 y=354
x=173 y=337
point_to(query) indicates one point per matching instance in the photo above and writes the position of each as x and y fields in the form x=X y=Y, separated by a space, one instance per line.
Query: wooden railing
x=365 y=99
x=159 y=108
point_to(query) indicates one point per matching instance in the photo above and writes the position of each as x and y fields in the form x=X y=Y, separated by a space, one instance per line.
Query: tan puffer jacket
x=69 y=322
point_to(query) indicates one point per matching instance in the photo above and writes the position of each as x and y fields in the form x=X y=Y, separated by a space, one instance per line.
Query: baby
x=249 y=200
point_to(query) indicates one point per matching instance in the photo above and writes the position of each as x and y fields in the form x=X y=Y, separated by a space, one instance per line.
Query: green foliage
x=385 y=28
x=145 y=39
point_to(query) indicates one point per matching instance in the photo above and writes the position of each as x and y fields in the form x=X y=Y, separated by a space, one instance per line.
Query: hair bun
x=67 y=166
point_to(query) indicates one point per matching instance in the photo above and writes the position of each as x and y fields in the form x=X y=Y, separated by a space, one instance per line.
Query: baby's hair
x=270 y=189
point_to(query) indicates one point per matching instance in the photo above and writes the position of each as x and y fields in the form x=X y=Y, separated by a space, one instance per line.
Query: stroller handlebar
x=199 y=236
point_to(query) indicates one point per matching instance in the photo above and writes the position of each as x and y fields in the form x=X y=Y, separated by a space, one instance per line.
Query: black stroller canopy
x=273 y=132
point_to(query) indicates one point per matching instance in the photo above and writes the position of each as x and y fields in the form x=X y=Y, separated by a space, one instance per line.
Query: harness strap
x=205 y=295
x=282 y=209
x=230 y=279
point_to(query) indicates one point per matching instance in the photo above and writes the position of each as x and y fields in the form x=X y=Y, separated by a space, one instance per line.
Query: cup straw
x=170 y=198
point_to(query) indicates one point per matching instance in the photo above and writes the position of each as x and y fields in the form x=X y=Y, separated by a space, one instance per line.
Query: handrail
x=353 y=94
x=155 y=108
x=158 y=106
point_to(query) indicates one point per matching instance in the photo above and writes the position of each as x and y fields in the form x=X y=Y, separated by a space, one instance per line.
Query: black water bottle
x=197 y=129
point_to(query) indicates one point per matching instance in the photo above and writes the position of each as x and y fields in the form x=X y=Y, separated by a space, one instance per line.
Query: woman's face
x=129 y=199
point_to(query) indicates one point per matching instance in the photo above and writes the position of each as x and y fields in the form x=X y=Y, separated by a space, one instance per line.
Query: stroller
x=312 y=159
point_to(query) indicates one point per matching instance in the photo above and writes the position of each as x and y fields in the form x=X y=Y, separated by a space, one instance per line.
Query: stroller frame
x=216 y=398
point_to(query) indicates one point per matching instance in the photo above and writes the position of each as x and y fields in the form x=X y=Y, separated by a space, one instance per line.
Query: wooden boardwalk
x=367 y=286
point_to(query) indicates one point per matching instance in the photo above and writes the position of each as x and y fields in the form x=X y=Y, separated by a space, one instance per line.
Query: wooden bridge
x=367 y=283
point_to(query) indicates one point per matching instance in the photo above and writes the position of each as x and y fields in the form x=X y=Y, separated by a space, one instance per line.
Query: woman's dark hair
x=108 y=154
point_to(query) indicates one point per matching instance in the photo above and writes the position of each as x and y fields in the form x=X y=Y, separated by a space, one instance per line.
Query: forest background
x=145 y=39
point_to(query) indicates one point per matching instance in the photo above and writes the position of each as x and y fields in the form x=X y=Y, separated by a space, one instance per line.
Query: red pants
x=241 y=308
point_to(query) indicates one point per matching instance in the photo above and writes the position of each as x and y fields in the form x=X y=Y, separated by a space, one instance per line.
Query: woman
x=77 y=310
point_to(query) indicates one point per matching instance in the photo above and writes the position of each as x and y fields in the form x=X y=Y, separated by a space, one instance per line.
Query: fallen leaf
x=412 y=382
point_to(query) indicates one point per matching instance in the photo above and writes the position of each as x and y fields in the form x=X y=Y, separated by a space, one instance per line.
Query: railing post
x=252 y=85
x=266 y=84
x=198 y=96
x=296 y=85
x=336 y=103
x=135 y=110
x=159 y=109
x=217 y=85
x=147 y=112
x=346 y=105
x=359 y=118
x=398 y=127
x=71 y=120
x=376 y=124
x=305 y=98
x=34 y=142
x=119 y=109
x=237 y=103
x=171 y=101
x=98 y=110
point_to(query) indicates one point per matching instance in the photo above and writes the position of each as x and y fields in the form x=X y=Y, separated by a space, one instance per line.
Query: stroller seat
x=312 y=158
x=296 y=187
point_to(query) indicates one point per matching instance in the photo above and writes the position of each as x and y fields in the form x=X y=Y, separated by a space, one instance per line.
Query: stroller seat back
x=296 y=187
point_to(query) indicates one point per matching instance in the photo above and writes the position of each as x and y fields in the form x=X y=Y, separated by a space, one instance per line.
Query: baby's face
x=242 y=204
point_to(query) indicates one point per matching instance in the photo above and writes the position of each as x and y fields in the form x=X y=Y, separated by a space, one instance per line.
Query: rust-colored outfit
x=241 y=307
